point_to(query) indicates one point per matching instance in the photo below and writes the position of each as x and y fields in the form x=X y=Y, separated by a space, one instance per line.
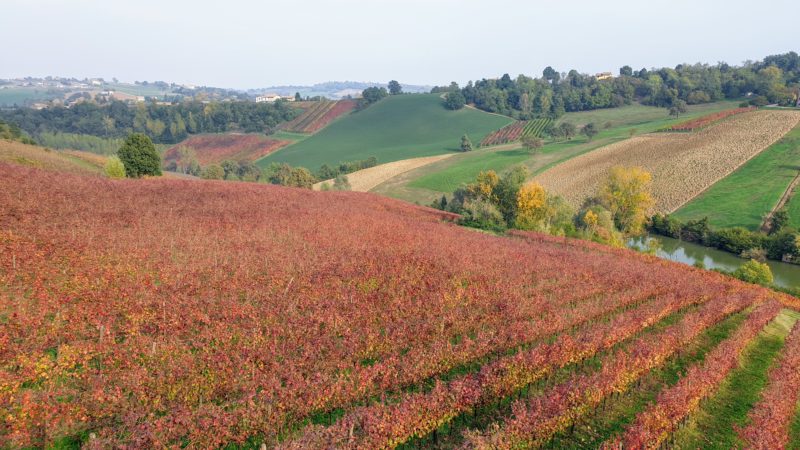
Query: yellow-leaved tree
x=484 y=186
x=626 y=194
x=532 y=207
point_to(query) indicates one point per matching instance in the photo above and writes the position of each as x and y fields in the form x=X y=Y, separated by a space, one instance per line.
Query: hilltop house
x=271 y=98
x=604 y=76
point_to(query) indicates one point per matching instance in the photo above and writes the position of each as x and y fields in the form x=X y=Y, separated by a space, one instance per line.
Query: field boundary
x=732 y=171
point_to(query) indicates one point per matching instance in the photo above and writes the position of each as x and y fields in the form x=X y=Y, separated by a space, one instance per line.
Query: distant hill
x=335 y=90
x=399 y=127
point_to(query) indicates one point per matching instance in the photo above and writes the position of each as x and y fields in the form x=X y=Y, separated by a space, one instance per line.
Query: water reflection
x=786 y=275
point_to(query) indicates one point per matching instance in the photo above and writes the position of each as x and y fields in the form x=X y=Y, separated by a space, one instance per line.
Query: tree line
x=775 y=79
x=164 y=124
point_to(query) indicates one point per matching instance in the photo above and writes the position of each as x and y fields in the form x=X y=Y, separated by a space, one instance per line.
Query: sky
x=251 y=44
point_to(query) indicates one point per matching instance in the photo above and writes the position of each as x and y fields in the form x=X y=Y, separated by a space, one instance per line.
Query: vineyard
x=682 y=164
x=516 y=131
x=202 y=314
x=704 y=121
x=319 y=115
x=215 y=148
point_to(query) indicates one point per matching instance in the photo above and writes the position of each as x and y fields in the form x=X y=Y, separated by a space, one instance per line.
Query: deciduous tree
x=626 y=194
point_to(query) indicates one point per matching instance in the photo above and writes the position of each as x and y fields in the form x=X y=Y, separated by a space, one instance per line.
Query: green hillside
x=399 y=127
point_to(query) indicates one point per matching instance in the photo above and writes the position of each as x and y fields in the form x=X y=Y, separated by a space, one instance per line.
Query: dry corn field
x=683 y=165
x=367 y=179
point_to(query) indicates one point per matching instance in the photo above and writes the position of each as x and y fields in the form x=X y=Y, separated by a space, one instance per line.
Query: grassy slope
x=400 y=127
x=39 y=157
x=642 y=119
x=745 y=196
x=714 y=425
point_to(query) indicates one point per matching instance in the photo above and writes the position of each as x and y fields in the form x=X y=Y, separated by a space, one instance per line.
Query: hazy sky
x=249 y=44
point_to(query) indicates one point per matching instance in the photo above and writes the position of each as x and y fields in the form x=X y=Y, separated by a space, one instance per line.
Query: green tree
x=532 y=143
x=395 y=88
x=454 y=100
x=371 y=95
x=754 y=272
x=589 y=130
x=678 y=107
x=567 y=130
x=114 y=168
x=139 y=156
x=626 y=71
x=298 y=97
x=466 y=144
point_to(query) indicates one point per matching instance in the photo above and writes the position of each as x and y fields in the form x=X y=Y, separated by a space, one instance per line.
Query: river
x=786 y=275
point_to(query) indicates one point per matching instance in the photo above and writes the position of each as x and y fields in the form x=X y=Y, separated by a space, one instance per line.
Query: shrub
x=341 y=183
x=754 y=272
x=213 y=172
x=114 y=168
x=734 y=240
x=482 y=214
x=139 y=156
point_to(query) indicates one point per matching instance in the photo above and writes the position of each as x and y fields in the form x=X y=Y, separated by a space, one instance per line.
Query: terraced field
x=319 y=115
x=215 y=148
x=682 y=165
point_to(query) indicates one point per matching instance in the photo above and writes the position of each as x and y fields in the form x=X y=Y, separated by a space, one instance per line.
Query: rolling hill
x=161 y=313
x=399 y=127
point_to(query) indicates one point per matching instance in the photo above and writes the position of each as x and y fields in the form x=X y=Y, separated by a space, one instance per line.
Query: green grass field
x=745 y=196
x=18 y=96
x=633 y=118
x=399 y=127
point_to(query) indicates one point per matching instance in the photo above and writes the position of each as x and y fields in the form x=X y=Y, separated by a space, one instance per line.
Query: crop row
x=170 y=311
x=538 y=419
x=319 y=115
x=418 y=414
x=215 y=148
x=704 y=121
x=536 y=127
x=516 y=131
x=676 y=403
x=771 y=417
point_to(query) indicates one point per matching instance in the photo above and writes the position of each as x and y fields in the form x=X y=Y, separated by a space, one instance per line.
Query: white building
x=272 y=98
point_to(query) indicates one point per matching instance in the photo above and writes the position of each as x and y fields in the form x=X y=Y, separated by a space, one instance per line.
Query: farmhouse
x=271 y=98
x=604 y=76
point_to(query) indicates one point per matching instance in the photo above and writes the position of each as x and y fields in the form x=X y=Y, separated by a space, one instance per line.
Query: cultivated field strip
x=171 y=312
x=319 y=115
x=682 y=164
x=216 y=148
x=417 y=414
x=771 y=417
x=367 y=179
x=677 y=403
x=538 y=419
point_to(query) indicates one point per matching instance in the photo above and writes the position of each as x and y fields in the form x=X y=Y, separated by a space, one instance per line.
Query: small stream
x=786 y=275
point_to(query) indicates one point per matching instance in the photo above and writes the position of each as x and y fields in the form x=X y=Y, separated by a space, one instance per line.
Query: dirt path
x=766 y=225
x=366 y=179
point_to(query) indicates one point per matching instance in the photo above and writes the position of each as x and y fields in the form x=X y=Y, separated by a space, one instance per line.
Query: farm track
x=366 y=179
x=683 y=165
